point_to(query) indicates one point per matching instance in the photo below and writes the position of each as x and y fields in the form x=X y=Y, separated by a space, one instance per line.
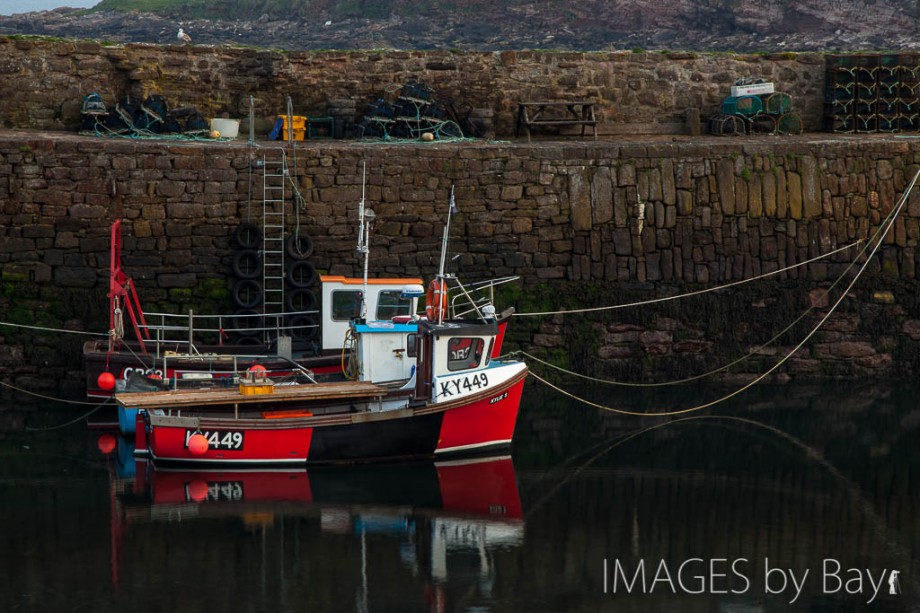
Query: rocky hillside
x=701 y=25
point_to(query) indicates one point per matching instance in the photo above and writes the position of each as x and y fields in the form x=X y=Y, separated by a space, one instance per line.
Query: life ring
x=436 y=300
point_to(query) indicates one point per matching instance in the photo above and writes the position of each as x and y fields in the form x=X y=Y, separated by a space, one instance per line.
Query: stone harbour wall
x=42 y=82
x=583 y=225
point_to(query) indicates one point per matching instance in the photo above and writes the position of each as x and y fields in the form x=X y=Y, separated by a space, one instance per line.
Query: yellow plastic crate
x=257 y=389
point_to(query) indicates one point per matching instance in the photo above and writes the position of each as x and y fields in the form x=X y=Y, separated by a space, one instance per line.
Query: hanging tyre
x=246 y=236
x=299 y=246
x=301 y=274
x=248 y=341
x=247 y=264
x=246 y=293
x=304 y=326
x=299 y=300
x=247 y=322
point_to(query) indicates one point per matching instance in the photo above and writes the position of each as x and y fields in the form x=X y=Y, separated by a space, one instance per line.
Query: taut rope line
x=879 y=235
x=694 y=292
x=724 y=367
x=44 y=329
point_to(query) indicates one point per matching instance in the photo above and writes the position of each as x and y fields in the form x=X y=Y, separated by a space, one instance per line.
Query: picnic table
x=567 y=113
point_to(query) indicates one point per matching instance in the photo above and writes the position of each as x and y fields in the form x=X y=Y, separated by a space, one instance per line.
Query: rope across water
x=876 y=242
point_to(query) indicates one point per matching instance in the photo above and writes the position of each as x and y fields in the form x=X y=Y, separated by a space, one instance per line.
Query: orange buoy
x=197 y=490
x=106 y=443
x=197 y=444
x=106 y=381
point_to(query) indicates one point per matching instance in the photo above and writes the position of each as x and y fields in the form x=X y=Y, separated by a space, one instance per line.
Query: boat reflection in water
x=442 y=521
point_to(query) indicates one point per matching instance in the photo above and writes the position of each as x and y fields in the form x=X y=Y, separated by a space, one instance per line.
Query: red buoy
x=106 y=443
x=198 y=489
x=197 y=444
x=257 y=368
x=106 y=381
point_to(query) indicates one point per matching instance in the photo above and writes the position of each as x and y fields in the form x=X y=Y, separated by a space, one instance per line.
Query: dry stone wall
x=583 y=224
x=42 y=82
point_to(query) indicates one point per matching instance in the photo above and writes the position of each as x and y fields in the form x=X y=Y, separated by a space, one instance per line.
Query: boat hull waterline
x=479 y=423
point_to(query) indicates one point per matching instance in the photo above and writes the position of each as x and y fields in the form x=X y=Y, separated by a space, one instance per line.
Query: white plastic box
x=754 y=89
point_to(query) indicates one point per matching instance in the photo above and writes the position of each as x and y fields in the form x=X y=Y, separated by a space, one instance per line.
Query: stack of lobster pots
x=755 y=108
x=258 y=322
x=872 y=93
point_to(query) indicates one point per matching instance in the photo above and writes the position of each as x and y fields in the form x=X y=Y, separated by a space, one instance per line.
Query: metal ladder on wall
x=275 y=174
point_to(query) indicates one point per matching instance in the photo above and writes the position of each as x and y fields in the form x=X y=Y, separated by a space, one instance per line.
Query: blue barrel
x=127 y=418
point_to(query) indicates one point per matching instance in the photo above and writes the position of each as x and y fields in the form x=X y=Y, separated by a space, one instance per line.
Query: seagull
x=185 y=38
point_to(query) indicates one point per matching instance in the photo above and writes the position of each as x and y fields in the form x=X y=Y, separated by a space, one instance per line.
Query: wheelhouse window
x=390 y=304
x=346 y=304
x=464 y=353
x=412 y=345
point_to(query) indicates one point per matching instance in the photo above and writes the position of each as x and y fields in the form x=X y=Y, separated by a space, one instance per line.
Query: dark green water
x=717 y=508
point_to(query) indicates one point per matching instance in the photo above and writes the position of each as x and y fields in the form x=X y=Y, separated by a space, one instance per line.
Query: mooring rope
x=43 y=396
x=75 y=420
x=713 y=372
x=45 y=329
x=695 y=292
x=877 y=238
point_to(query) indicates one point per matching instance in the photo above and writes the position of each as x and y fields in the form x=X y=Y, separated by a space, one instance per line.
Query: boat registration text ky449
x=219 y=439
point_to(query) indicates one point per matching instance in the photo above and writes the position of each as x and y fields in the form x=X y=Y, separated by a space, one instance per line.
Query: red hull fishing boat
x=423 y=387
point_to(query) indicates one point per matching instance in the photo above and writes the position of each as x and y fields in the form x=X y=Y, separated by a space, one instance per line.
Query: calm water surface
x=785 y=499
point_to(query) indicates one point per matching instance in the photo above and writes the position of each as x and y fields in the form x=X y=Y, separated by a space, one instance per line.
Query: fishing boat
x=419 y=387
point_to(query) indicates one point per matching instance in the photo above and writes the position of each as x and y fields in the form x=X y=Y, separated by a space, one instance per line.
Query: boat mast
x=365 y=218
x=450 y=211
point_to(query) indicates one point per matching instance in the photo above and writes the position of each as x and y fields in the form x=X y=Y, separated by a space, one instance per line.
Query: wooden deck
x=177 y=399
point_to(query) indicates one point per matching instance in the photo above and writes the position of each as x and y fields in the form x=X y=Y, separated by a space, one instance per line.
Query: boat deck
x=176 y=399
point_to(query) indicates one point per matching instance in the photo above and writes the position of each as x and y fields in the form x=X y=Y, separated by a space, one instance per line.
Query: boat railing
x=180 y=332
x=473 y=296
x=236 y=365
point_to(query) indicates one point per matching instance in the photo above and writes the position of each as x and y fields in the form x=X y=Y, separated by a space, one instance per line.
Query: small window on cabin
x=489 y=352
x=464 y=353
x=412 y=345
x=390 y=304
x=346 y=304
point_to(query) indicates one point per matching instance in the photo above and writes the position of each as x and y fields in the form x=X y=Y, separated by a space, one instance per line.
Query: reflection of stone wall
x=582 y=224
x=44 y=81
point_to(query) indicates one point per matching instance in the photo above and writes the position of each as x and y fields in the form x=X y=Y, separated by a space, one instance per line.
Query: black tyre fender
x=246 y=236
x=244 y=325
x=304 y=326
x=299 y=300
x=301 y=274
x=299 y=246
x=247 y=264
x=246 y=293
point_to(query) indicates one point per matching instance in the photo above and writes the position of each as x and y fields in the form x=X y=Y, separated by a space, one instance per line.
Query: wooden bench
x=571 y=113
